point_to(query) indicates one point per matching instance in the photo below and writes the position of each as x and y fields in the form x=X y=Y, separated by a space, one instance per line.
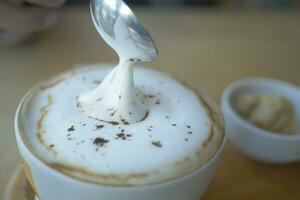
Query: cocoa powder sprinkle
x=96 y=82
x=125 y=122
x=100 y=141
x=99 y=126
x=121 y=136
x=157 y=144
x=72 y=128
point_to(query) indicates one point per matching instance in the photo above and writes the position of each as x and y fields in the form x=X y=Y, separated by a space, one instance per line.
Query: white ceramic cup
x=255 y=142
x=50 y=184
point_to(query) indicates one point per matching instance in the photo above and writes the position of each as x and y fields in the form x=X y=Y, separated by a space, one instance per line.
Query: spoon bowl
x=121 y=29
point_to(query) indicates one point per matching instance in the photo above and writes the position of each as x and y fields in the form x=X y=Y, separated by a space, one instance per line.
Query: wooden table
x=209 y=48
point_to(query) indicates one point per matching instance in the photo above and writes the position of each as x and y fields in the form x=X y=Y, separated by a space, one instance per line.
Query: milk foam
x=116 y=99
x=181 y=132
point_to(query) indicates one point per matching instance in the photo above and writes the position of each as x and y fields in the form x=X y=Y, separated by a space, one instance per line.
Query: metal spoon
x=105 y=13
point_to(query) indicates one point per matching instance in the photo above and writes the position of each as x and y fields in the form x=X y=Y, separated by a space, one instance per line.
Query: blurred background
x=249 y=4
x=208 y=43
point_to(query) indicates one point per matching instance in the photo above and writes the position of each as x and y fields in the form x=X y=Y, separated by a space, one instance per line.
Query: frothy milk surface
x=180 y=133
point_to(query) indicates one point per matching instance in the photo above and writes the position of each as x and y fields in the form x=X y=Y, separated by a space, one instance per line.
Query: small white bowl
x=258 y=143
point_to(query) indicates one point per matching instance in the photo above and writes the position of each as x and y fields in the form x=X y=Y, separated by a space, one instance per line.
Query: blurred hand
x=19 y=18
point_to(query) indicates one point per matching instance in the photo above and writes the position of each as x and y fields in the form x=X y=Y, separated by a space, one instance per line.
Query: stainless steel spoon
x=105 y=14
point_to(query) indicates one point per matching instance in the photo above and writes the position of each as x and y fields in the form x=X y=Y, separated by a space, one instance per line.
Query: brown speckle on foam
x=157 y=102
x=123 y=136
x=110 y=122
x=78 y=104
x=71 y=128
x=113 y=113
x=146 y=115
x=100 y=99
x=151 y=96
x=100 y=141
x=99 y=126
x=156 y=144
x=124 y=121
x=96 y=82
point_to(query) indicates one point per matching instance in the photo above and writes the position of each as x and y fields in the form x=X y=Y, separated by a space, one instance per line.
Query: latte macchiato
x=157 y=131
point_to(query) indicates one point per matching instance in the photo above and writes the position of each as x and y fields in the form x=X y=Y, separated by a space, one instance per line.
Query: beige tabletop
x=207 y=48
